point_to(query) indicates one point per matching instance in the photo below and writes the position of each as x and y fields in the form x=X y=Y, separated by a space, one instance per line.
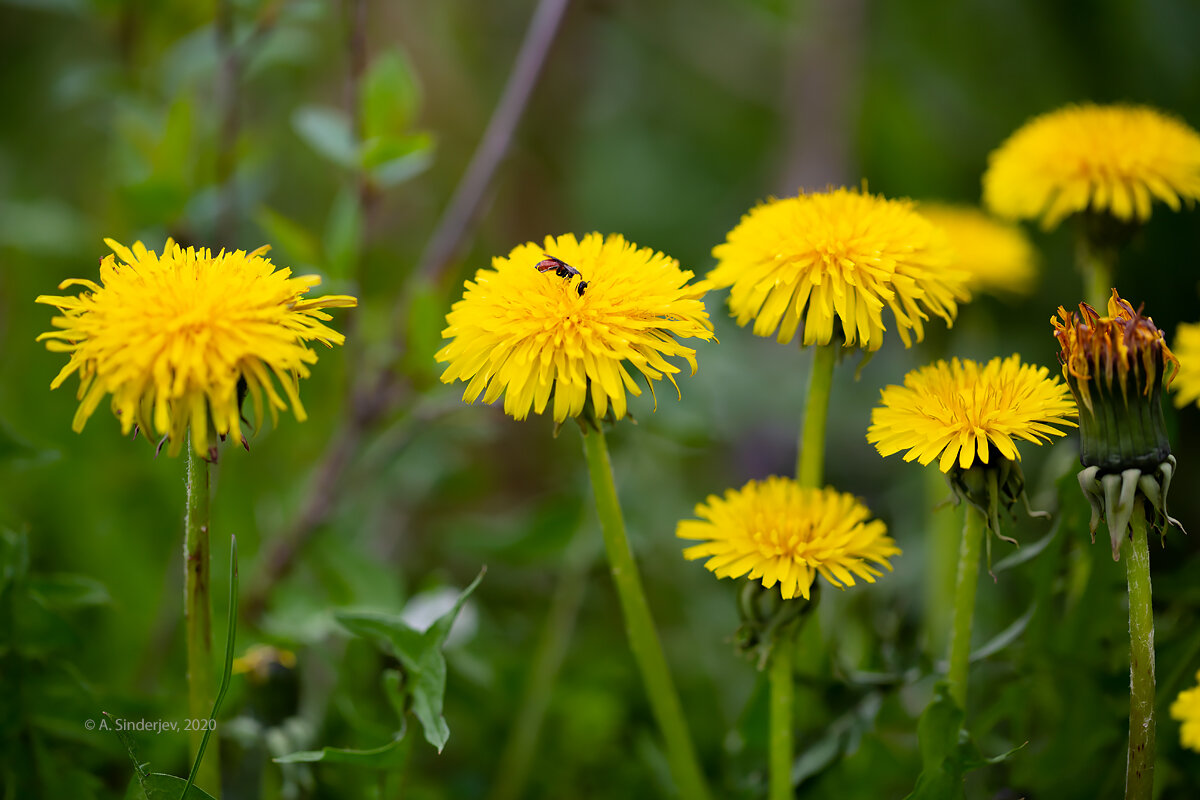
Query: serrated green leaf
x=947 y=752
x=327 y=131
x=390 y=95
x=421 y=655
x=297 y=244
x=343 y=234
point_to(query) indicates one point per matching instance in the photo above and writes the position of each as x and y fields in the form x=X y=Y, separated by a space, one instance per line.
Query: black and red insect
x=562 y=269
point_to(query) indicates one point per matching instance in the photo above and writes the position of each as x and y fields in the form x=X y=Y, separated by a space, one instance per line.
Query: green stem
x=810 y=473
x=964 y=604
x=1097 y=265
x=1139 y=767
x=942 y=543
x=639 y=627
x=810 y=460
x=783 y=701
x=197 y=612
x=521 y=745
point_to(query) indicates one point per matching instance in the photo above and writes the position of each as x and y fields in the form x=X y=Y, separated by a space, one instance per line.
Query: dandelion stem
x=1097 y=265
x=810 y=460
x=1139 y=767
x=553 y=644
x=197 y=611
x=810 y=473
x=964 y=604
x=643 y=638
x=783 y=700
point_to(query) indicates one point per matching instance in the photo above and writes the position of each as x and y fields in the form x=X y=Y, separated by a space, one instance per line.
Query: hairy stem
x=639 y=626
x=964 y=604
x=197 y=611
x=1139 y=767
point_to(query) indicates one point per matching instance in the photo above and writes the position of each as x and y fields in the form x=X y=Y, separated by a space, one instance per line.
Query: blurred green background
x=336 y=132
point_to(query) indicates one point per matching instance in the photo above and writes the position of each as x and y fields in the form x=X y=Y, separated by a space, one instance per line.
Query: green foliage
x=947 y=751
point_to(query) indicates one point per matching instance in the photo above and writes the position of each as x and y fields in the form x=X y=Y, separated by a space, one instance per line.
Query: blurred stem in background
x=1098 y=266
x=521 y=746
x=639 y=626
x=810 y=473
x=197 y=610
x=965 y=587
x=1139 y=768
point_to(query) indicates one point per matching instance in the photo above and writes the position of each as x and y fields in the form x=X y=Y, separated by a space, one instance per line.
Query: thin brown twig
x=376 y=398
x=497 y=140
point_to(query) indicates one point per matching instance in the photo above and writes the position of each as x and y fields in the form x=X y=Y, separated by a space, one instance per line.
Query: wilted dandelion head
x=959 y=411
x=1111 y=160
x=997 y=255
x=530 y=334
x=172 y=338
x=778 y=532
x=838 y=258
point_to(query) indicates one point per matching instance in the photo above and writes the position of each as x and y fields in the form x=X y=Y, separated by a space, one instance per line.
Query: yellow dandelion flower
x=172 y=337
x=779 y=532
x=1186 y=709
x=838 y=256
x=1106 y=159
x=529 y=331
x=997 y=255
x=959 y=411
x=1187 y=350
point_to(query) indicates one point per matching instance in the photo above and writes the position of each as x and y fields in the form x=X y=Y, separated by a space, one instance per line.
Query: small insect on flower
x=562 y=269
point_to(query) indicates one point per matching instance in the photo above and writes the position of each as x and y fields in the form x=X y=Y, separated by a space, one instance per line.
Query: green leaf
x=425 y=320
x=947 y=752
x=421 y=655
x=390 y=756
x=394 y=160
x=343 y=234
x=65 y=592
x=160 y=786
x=297 y=244
x=327 y=131
x=390 y=95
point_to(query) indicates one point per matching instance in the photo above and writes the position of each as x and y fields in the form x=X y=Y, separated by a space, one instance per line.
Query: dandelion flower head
x=959 y=411
x=1187 y=350
x=997 y=255
x=172 y=336
x=780 y=533
x=1186 y=709
x=1125 y=344
x=839 y=256
x=531 y=335
x=1106 y=159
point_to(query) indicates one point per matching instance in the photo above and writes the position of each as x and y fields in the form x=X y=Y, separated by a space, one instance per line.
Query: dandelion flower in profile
x=1118 y=366
x=961 y=411
x=997 y=255
x=780 y=533
x=1187 y=350
x=1186 y=709
x=566 y=319
x=177 y=338
x=836 y=259
x=1113 y=160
